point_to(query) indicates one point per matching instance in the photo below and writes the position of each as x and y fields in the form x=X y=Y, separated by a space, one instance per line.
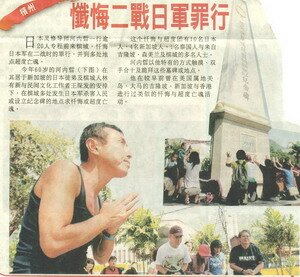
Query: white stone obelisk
x=240 y=119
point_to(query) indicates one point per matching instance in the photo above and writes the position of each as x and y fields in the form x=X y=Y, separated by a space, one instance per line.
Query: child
x=201 y=260
x=217 y=259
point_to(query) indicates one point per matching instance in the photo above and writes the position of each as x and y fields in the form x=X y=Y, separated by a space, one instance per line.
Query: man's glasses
x=178 y=237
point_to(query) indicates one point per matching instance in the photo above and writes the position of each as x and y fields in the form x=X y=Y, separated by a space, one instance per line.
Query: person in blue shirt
x=217 y=259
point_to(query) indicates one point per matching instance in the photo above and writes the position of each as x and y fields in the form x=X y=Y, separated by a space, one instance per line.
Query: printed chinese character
x=179 y=18
x=99 y=14
x=199 y=15
x=139 y=15
x=80 y=15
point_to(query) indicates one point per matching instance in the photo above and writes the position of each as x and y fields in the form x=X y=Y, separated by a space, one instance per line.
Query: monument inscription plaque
x=248 y=143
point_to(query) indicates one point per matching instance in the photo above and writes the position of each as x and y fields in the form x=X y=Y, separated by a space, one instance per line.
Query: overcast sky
x=283 y=17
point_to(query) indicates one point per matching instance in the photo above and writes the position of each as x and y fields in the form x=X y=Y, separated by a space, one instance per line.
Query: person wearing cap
x=246 y=258
x=173 y=256
x=201 y=260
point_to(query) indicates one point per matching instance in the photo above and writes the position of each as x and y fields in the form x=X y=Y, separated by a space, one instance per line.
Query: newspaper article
x=148 y=138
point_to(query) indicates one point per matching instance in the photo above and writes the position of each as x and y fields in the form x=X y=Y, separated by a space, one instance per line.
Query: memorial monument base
x=233 y=129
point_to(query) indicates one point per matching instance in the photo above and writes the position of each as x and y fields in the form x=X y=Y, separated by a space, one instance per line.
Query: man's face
x=114 y=153
x=112 y=263
x=245 y=238
x=175 y=239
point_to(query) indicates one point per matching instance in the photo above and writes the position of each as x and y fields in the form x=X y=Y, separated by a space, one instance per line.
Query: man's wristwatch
x=108 y=236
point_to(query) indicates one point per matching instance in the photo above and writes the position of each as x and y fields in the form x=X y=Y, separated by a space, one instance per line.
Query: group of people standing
x=177 y=258
x=278 y=179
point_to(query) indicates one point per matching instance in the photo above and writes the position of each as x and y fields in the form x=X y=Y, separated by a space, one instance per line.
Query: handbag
x=293 y=191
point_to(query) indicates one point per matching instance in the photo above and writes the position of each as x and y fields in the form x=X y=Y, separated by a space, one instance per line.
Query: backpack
x=240 y=175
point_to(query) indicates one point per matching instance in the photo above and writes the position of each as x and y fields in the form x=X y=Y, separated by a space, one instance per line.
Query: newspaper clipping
x=149 y=138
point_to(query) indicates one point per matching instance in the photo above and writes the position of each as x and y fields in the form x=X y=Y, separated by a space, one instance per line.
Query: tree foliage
x=140 y=233
x=172 y=147
x=276 y=232
x=106 y=194
x=279 y=153
x=291 y=152
x=31 y=151
x=294 y=150
x=206 y=235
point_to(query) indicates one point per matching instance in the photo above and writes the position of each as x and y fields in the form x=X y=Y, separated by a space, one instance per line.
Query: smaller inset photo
x=187 y=170
x=195 y=173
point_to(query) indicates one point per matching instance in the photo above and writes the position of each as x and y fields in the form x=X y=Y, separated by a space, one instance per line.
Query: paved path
x=256 y=203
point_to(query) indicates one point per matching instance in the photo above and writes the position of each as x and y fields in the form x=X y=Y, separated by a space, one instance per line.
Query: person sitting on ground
x=217 y=259
x=201 y=260
x=173 y=256
x=213 y=191
x=270 y=190
x=112 y=269
x=246 y=258
x=191 y=180
x=239 y=181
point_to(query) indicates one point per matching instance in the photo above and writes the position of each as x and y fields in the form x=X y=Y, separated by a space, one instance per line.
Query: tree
x=140 y=234
x=294 y=150
x=278 y=151
x=275 y=233
x=171 y=147
x=31 y=151
x=106 y=194
x=206 y=235
x=205 y=169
